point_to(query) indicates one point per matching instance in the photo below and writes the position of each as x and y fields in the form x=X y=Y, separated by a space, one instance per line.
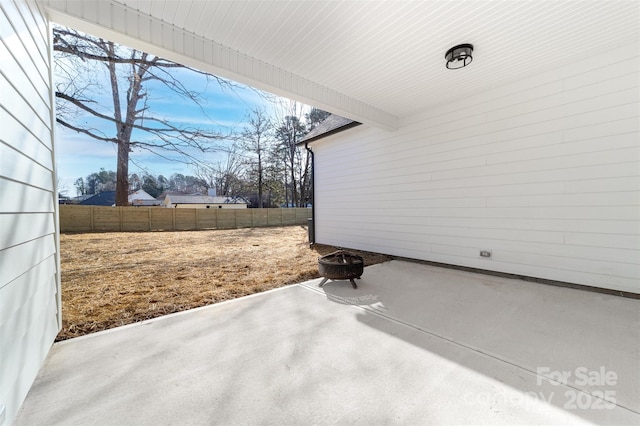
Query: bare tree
x=225 y=175
x=290 y=130
x=81 y=189
x=255 y=142
x=130 y=73
x=313 y=118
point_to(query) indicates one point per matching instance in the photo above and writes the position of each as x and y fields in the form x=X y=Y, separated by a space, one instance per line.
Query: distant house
x=80 y=198
x=142 y=198
x=105 y=198
x=108 y=198
x=203 y=202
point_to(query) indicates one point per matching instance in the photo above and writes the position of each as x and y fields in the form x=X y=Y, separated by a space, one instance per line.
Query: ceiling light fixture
x=459 y=56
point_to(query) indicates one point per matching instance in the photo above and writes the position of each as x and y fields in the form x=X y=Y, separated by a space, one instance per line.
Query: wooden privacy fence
x=110 y=219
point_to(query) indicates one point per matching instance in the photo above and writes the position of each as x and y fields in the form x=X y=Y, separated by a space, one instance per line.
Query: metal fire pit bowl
x=340 y=265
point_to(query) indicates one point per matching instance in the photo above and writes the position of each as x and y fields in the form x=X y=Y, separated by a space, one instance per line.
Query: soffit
x=374 y=62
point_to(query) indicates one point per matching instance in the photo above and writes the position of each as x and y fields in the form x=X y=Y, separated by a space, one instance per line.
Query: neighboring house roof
x=140 y=194
x=330 y=125
x=80 y=198
x=164 y=194
x=105 y=198
x=142 y=198
x=203 y=199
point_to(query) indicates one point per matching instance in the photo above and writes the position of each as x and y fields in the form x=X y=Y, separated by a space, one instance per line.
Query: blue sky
x=79 y=155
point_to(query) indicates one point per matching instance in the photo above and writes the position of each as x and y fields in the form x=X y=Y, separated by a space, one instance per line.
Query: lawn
x=117 y=278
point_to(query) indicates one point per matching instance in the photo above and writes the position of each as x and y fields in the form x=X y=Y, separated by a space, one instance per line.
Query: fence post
x=197 y=218
x=149 y=211
x=173 y=218
x=93 y=227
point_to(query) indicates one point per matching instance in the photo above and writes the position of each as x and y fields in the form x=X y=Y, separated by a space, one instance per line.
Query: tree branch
x=87 y=132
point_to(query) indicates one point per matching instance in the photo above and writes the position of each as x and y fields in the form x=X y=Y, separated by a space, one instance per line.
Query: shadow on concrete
x=575 y=350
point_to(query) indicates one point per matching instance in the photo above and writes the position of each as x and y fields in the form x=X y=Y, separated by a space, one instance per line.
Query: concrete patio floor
x=414 y=344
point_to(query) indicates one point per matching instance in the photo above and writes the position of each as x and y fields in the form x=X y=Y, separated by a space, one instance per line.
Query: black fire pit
x=340 y=265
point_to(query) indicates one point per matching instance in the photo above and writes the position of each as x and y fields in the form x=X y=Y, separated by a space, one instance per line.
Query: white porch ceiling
x=373 y=62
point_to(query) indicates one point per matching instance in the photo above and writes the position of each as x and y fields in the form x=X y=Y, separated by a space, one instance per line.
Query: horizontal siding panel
x=23 y=74
x=428 y=230
x=568 y=200
x=631 y=242
x=621 y=133
x=410 y=218
x=631 y=183
x=561 y=162
x=16 y=197
x=20 y=228
x=421 y=200
x=16 y=166
x=31 y=111
x=16 y=294
x=412 y=201
x=420 y=182
x=626 y=140
x=594 y=255
x=14 y=261
x=37 y=26
x=401 y=192
x=31 y=142
x=29 y=277
x=595 y=267
x=618 y=149
x=537 y=212
x=19 y=39
x=433 y=153
x=29 y=334
x=22 y=318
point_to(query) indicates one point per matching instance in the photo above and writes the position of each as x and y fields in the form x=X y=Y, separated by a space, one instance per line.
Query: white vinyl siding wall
x=29 y=280
x=544 y=173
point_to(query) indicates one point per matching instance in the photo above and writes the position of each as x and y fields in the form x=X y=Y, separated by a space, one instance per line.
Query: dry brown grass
x=113 y=279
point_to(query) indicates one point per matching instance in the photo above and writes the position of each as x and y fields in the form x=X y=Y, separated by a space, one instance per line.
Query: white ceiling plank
x=171 y=10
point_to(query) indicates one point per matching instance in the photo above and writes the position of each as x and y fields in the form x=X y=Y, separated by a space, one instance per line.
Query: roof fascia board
x=210 y=56
x=329 y=133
